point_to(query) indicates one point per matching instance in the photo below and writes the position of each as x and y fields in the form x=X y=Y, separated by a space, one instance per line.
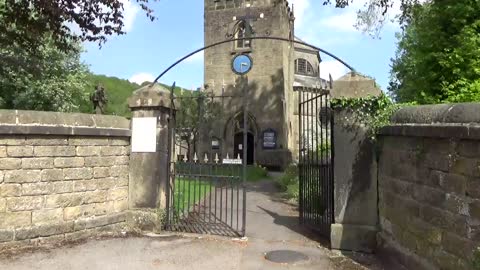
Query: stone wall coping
x=56 y=123
x=459 y=131
x=151 y=96
x=460 y=113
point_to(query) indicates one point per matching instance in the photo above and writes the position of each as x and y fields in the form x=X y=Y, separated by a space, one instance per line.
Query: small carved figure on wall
x=99 y=99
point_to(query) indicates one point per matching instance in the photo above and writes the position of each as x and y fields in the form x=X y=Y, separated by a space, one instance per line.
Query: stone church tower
x=269 y=86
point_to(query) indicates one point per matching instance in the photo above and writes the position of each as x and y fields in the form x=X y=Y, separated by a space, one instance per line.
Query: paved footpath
x=272 y=224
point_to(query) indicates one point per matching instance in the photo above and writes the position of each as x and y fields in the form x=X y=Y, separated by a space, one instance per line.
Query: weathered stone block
x=73 y=162
x=51 y=240
x=122 y=182
x=25 y=203
x=47 y=216
x=122 y=160
x=473 y=188
x=105 y=183
x=54 y=151
x=37 y=163
x=104 y=208
x=122 y=142
x=118 y=194
x=466 y=166
x=458 y=246
x=78 y=173
x=12 y=140
x=52 y=175
x=438 y=162
x=95 y=196
x=120 y=206
x=101 y=172
x=15 y=219
x=88 y=151
x=85 y=141
x=3 y=151
x=426 y=231
x=6 y=235
x=468 y=148
x=100 y=221
x=10 y=163
x=42 y=188
x=10 y=190
x=445 y=220
x=429 y=195
x=99 y=161
x=3 y=205
x=119 y=171
x=62 y=187
x=73 y=213
x=43 y=230
x=457 y=205
x=353 y=237
x=23 y=176
x=47 y=141
x=447 y=261
x=113 y=151
x=63 y=200
x=401 y=188
x=20 y=151
x=475 y=209
x=79 y=235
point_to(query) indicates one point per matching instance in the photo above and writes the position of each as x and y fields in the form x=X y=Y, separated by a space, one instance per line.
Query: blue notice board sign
x=269 y=139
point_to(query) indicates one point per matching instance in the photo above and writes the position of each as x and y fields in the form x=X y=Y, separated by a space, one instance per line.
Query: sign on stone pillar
x=149 y=159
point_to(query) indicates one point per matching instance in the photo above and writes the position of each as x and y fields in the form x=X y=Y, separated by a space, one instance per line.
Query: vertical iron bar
x=300 y=155
x=245 y=129
x=169 y=125
x=317 y=168
x=331 y=167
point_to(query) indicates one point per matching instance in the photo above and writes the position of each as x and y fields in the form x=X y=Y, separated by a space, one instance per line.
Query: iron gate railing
x=206 y=195
x=207 y=198
x=315 y=159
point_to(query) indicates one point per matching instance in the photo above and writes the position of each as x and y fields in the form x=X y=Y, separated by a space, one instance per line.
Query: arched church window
x=240 y=31
x=303 y=67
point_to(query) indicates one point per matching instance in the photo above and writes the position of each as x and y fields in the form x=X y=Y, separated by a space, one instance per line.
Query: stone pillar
x=149 y=171
x=355 y=172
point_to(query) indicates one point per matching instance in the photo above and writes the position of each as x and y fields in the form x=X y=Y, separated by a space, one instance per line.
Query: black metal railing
x=315 y=160
x=207 y=197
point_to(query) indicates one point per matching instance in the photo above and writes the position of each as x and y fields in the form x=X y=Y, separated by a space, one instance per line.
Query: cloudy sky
x=149 y=47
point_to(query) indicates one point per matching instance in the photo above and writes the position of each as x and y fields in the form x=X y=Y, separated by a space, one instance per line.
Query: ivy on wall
x=373 y=112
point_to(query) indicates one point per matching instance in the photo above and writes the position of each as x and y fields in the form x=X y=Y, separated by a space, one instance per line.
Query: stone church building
x=278 y=67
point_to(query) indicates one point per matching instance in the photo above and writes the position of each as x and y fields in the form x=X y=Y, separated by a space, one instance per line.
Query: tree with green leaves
x=438 y=56
x=198 y=112
x=49 y=80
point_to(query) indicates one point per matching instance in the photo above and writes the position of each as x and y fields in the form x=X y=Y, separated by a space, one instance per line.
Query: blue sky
x=149 y=47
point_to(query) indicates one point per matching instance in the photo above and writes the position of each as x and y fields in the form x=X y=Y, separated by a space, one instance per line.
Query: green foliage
x=476 y=259
x=49 y=80
x=27 y=22
x=289 y=182
x=373 y=112
x=256 y=173
x=438 y=55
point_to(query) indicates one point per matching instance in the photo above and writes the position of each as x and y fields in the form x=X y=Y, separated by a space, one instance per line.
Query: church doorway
x=238 y=147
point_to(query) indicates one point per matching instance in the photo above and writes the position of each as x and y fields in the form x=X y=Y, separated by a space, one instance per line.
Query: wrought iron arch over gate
x=315 y=159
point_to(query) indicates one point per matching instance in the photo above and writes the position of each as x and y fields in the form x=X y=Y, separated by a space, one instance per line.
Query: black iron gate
x=315 y=159
x=206 y=192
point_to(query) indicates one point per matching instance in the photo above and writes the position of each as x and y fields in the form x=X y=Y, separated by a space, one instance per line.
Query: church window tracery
x=303 y=67
x=240 y=33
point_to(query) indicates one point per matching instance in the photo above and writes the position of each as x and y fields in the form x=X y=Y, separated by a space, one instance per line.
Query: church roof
x=301 y=47
x=310 y=82
x=355 y=85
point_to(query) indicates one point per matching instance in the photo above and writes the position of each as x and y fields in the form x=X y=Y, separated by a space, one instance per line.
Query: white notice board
x=144 y=135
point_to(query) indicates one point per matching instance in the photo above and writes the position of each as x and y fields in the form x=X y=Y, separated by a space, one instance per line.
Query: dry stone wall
x=69 y=184
x=429 y=187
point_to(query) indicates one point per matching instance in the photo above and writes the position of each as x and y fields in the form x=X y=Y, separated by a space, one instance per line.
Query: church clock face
x=242 y=64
